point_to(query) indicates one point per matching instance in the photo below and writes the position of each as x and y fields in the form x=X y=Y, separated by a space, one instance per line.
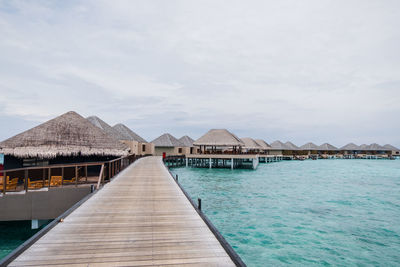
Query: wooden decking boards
x=141 y=218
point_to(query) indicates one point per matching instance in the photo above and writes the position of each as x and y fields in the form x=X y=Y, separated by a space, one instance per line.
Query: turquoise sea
x=305 y=213
x=13 y=234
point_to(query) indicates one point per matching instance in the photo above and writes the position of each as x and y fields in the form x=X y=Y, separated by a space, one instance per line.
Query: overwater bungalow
x=291 y=148
x=327 y=150
x=188 y=148
x=394 y=150
x=219 y=141
x=278 y=148
x=251 y=146
x=350 y=150
x=265 y=146
x=69 y=138
x=167 y=145
x=138 y=145
x=310 y=149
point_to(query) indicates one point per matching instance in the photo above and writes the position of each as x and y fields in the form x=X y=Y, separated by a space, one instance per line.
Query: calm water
x=13 y=234
x=314 y=213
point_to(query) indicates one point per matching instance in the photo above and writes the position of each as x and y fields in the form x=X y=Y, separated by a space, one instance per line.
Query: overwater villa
x=251 y=146
x=188 y=148
x=138 y=145
x=167 y=145
x=68 y=138
x=278 y=148
x=394 y=150
x=265 y=146
x=310 y=149
x=327 y=150
x=219 y=141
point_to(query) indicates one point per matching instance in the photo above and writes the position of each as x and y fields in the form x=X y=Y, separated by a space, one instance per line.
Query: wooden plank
x=140 y=218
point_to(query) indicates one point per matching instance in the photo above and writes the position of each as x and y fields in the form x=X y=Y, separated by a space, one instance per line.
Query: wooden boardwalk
x=141 y=218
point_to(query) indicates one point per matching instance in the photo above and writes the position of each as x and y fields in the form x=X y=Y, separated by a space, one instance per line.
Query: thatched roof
x=96 y=121
x=390 y=147
x=309 y=146
x=377 y=147
x=291 y=146
x=167 y=140
x=219 y=137
x=327 y=147
x=128 y=134
x=186 y=141
x=67 y=135
x=364 y=147
x=263 y=144
x=250 y=143
x=350 y=146
x=278 y=145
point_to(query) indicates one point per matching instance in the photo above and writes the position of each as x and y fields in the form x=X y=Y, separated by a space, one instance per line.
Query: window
x=143 y=148
x=180 y=150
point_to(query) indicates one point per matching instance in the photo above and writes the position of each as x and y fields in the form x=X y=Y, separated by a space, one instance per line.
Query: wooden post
x=86 y=172
x=109 y=170
x=44 y=174
x=76 y=176
x=26 y=180
x=62 y=176
x=100 y=177
x=49 y=176
x=4 y=182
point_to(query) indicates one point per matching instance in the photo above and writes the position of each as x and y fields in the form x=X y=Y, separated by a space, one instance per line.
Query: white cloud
x=263 y=68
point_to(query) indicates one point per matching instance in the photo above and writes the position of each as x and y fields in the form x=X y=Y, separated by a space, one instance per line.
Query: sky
x=312 y=70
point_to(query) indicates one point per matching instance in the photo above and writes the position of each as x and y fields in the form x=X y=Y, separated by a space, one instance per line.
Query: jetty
x=142 y=217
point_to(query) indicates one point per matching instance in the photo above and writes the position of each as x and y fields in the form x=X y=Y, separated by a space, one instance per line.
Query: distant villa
x=71 y=138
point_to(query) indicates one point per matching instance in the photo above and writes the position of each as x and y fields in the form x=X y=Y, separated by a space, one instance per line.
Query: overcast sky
x=290 y=70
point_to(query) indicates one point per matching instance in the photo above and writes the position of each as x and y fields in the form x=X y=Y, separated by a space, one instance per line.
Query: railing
x=175 y=161
x=77 y=174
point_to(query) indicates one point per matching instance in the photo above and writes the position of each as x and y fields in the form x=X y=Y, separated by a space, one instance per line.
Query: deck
x=141 y=218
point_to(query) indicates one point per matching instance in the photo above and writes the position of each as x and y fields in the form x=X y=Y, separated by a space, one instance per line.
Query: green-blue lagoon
x=314 y=213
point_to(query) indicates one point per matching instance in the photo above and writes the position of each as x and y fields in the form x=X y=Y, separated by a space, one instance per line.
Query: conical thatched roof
x=67 y=135
x=219 y=137
x=250 y=143
x=186 y=141
x=279 y=145
x=364 y=147
x=309 y=146
x=291 y=146
x=327 y=147
x=96 y=121
x=376 y=147
x=350 y=146
x=390 y=147
x=167 y=140
x=128 y=134
x=263 y=144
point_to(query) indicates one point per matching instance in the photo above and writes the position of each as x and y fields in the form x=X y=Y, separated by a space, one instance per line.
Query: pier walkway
x=141 y=218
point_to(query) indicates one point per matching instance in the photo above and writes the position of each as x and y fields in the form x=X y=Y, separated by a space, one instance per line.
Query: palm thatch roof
x=309 y=146
x=67 y=135
x=350 y=146
x=327 y=147
x=186 y=141
x=219 y=137
x=364 y=147
x=167 y=140
x=96 y=121
x=291 y=146
x=250 y=143
x=278 y=145
x=128 y=134
x=390 y=147
x=263 y=144
x=376 y=147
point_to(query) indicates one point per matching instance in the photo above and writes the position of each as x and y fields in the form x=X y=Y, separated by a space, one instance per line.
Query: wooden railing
x=76 y=174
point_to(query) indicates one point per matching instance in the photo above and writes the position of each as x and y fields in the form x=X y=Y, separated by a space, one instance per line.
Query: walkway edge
x=227 y=247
